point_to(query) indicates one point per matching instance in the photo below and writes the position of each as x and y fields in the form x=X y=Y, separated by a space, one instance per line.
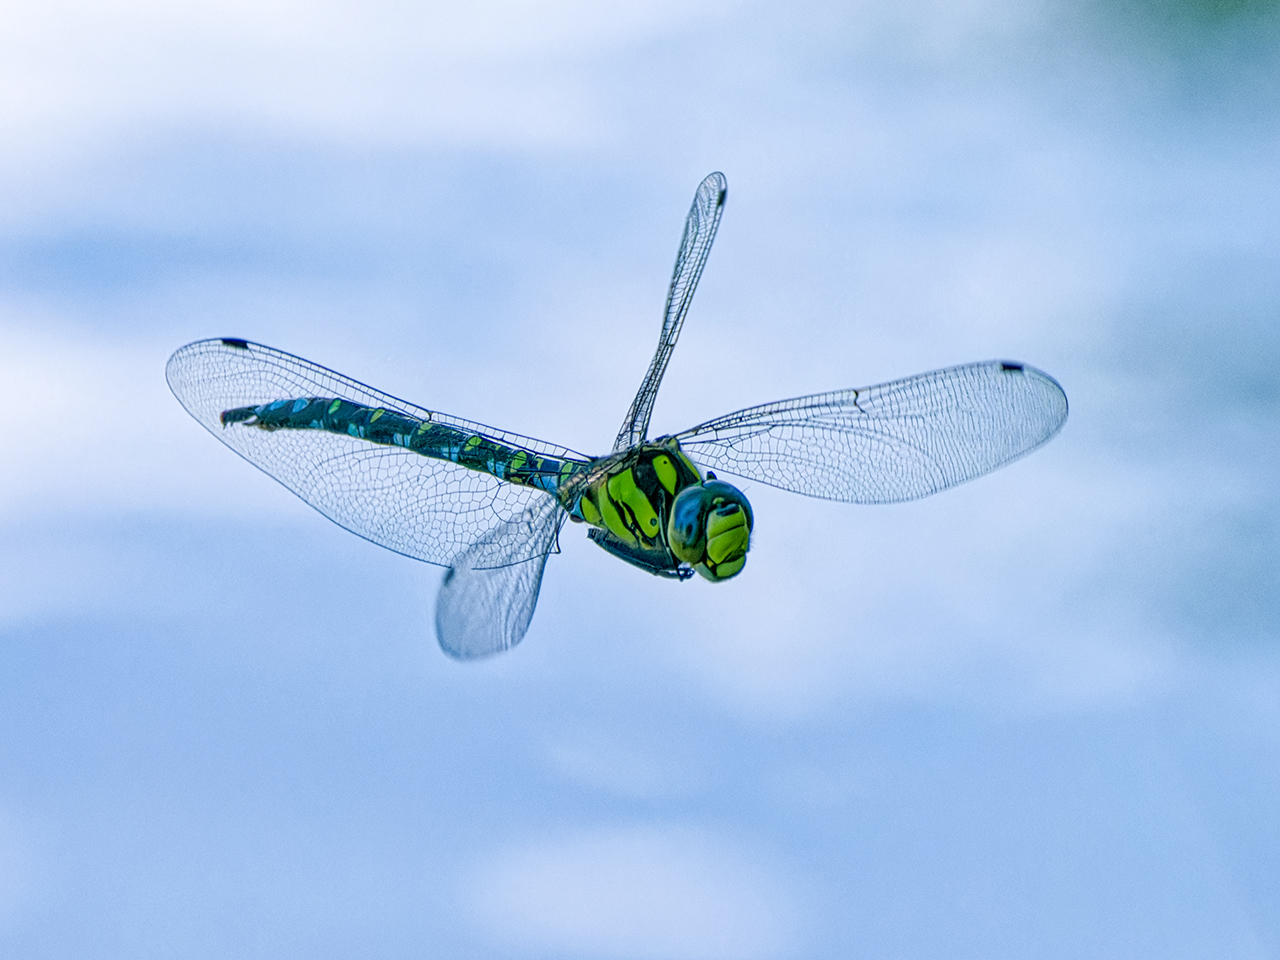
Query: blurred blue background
x=1034 y=716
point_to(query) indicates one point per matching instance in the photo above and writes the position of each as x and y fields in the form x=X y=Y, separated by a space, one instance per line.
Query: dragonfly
x=489 y=505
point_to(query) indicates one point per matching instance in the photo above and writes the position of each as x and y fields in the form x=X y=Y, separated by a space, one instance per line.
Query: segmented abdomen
x=379 y=425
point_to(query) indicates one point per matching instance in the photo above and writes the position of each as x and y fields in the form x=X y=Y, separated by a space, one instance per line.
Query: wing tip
x=1015 y=366
x=719 y=183
x=1059 y=416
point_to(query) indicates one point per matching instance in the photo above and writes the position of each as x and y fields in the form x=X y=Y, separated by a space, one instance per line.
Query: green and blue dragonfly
x=489 y=504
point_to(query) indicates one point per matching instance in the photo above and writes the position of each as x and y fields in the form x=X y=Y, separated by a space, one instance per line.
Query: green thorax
x=627 y=496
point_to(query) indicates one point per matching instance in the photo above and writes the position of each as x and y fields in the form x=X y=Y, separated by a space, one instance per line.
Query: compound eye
x=687 y=528
x=710 y=529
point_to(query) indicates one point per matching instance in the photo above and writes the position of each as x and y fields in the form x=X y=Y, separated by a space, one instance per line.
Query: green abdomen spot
x=438 y=441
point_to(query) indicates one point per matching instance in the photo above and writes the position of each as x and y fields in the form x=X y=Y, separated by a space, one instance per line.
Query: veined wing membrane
x=425 y=508
x=485 y=610
x=893 y=442
x=699 y=230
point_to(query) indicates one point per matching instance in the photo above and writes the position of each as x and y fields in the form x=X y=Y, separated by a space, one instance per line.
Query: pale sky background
x=1035 y=716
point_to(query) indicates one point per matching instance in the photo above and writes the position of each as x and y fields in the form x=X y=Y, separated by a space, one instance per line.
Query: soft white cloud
x=76 y=71
x=93 y=427
x=644 y=893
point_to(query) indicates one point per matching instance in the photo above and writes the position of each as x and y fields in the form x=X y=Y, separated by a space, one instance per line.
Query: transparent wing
x=422 y=507
x=893 y=442
x=484 y=610
x=699 y=230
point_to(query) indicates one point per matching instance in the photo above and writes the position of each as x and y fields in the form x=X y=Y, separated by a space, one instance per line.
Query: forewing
x=893 y=442
x=425 y=508
x=484 y=609
x=699 y=230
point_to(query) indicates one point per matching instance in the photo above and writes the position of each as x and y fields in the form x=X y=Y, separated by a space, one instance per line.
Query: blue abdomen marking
x=379 y=425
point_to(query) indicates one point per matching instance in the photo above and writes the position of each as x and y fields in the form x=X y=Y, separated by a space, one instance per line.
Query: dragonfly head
x=710 y=528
